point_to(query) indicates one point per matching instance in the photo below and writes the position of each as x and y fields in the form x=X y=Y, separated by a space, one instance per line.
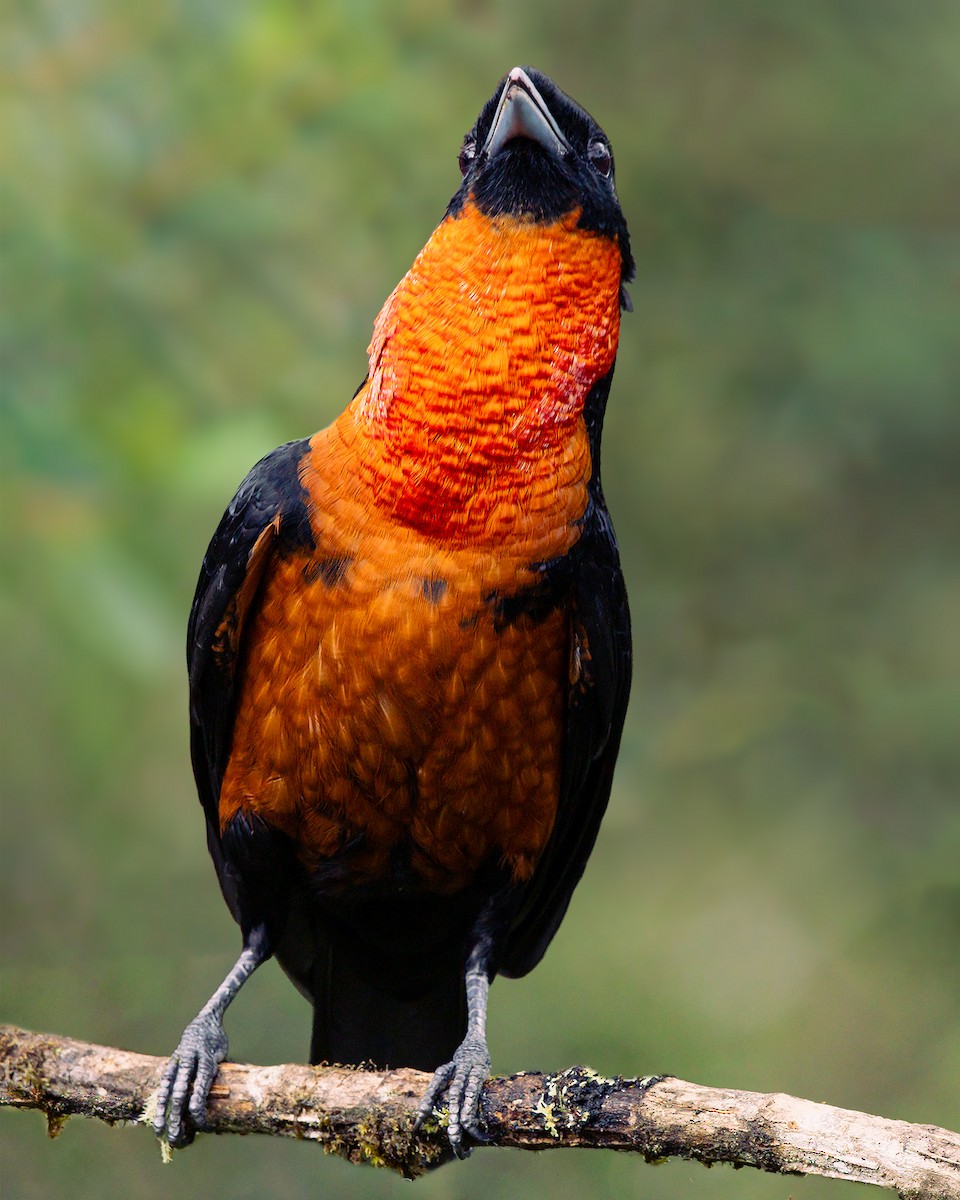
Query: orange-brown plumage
x=395 y=716
x=409 y=649
x=386 y=702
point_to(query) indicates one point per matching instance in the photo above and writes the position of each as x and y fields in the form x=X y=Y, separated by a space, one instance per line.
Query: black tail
x=358 y=1018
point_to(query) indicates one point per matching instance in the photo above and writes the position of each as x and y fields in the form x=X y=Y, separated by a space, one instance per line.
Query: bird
x=409 y=652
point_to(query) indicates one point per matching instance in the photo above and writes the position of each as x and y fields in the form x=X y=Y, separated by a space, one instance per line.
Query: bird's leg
x=463 y=1077
x=203 y=1046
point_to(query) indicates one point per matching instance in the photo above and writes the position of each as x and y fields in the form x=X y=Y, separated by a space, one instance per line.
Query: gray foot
x=461 y=1079
x=190 y=1073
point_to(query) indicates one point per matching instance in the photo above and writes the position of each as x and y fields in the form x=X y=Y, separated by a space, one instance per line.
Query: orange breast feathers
x=376 y=717
x=385 y=702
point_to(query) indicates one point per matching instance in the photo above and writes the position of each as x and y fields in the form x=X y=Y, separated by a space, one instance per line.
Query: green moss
x=55 y=1124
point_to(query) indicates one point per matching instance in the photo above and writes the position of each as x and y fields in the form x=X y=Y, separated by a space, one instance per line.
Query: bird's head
x=535 y=154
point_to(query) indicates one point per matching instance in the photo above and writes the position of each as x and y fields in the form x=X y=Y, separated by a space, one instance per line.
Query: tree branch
x=367 y=1116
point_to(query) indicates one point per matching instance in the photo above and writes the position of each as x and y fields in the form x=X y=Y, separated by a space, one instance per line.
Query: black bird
x=409 y=650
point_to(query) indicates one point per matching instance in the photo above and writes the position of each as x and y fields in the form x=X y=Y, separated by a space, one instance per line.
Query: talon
x=456 y=1141
x=187 y=1079
x=462 y=1080
x=429 y=1103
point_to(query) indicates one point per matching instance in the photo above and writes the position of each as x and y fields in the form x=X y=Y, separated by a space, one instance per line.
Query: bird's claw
x=190 y=1073
x=462 y=1080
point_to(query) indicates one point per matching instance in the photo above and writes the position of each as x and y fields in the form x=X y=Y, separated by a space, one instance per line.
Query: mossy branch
x=367 y=1116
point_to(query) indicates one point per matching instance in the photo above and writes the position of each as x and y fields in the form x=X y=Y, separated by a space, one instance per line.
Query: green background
x=204 y=205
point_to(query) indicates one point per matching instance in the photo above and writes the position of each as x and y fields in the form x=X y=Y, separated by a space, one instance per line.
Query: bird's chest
x=403 y=706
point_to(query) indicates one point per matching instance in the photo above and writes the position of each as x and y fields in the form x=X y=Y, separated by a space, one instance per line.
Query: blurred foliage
x=204 y=205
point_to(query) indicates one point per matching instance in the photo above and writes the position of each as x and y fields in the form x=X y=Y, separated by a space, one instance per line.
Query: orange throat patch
x=480 y=364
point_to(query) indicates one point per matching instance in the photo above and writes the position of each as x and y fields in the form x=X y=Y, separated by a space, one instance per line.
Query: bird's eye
x=468 y=152
x=599 y=153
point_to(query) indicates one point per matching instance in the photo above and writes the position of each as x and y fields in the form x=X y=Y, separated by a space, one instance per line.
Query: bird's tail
x=360 y=1018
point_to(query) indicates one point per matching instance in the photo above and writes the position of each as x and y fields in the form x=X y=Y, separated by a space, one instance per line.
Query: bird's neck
x=480 y=364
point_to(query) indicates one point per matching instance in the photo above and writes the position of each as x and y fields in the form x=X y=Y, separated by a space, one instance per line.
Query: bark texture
x=367 y=1116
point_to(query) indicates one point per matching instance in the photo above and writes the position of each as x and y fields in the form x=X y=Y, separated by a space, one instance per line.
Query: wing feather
x=267 y=515
x=601 y=666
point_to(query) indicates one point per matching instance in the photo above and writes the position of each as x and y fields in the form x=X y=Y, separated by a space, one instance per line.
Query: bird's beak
x=522 y=112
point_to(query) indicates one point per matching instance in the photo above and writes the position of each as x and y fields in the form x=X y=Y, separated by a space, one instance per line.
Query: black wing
x=601 y=669
x=268 y=513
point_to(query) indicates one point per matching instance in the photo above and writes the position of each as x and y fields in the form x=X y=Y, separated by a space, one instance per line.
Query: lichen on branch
x=368 y=1116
